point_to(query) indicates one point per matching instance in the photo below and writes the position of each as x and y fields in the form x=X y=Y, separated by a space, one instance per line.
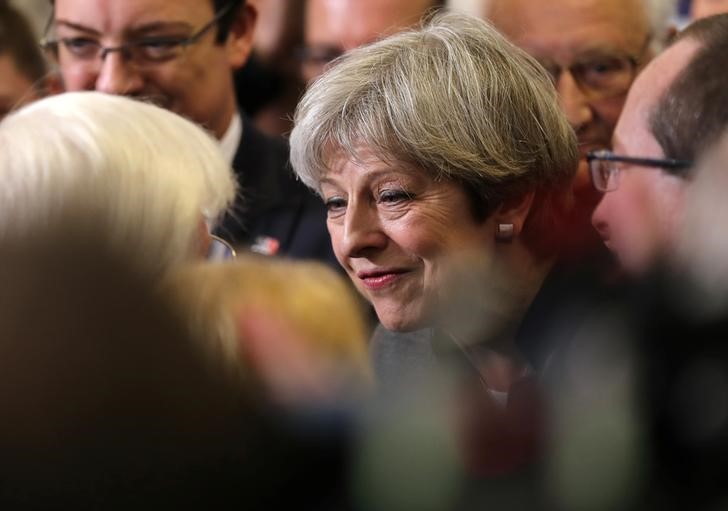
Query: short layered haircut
x=455 y=99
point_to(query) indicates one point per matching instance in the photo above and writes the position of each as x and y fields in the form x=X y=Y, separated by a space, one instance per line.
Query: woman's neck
x=486 y=298
x=490 y=309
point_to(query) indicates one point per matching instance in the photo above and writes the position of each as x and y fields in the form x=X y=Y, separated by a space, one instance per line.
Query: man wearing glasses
x=676 y=108
x=593 y=49
x=181 y=55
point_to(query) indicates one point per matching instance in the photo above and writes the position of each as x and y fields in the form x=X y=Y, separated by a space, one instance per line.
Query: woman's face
x=395 y=231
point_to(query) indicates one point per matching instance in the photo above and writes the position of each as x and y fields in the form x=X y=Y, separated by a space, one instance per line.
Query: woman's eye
x=394 y=196
x=335 y=206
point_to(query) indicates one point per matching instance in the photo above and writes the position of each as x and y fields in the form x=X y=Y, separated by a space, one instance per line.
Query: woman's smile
x=381 y=279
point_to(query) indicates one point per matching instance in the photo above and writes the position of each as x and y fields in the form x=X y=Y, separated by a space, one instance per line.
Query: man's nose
x=362 y=231
x=118 y=76
x=573 y=101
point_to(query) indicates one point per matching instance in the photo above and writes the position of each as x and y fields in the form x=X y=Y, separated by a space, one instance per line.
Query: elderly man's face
x=639 y=219
x=592 y=47
x=197 y=84
x=15 y=88
x=333 y=27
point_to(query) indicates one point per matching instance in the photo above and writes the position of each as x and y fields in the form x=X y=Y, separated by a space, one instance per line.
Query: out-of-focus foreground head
x=702 y=244
x=333 y=27
x=677 y=107
x=107 y=403
x=23 y=72
x=296 y=328
x=180 y=54
x=593 y=49
x=148 y=177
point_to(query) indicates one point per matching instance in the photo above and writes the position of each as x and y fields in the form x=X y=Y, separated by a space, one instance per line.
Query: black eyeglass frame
x=51 y=45
x=606 y=155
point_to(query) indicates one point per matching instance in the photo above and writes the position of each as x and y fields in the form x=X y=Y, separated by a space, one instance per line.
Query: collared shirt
x=231 y=139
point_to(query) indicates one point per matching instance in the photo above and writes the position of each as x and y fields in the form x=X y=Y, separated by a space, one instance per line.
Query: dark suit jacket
x=569 y=295
x=272 y=204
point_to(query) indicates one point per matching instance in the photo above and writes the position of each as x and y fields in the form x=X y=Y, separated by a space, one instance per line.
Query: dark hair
x=225 y=22
x=693 y=111
x=17 y=40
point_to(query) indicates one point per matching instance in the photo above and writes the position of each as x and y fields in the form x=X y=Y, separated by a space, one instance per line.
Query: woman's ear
x=511 y=215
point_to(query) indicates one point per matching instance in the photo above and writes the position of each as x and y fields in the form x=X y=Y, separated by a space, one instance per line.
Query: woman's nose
x=362 y=231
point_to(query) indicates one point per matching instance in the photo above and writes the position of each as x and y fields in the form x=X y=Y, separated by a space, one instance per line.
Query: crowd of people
x=349 y=254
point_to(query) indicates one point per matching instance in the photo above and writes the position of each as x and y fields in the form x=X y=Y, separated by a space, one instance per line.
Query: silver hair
x=146 y=176
x=453 y=98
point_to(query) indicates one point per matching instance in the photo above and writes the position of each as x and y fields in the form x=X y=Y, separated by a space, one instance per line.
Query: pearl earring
x=504 y=232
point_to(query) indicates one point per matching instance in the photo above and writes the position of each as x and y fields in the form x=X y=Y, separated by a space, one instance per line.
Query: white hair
x=145 y=176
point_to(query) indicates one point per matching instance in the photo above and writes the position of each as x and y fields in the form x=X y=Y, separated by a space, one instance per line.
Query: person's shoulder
x=258 y=152
x=272 y=205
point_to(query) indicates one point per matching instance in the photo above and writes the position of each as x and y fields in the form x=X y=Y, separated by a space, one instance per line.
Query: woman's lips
x=380 y=279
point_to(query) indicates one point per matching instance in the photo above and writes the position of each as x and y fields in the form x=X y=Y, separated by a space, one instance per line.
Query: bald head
x=333 y=27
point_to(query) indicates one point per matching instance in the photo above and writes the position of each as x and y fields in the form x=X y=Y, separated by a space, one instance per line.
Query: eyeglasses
x=148 y=51
x=600 y=75
x=605 y=167
x=220 y=250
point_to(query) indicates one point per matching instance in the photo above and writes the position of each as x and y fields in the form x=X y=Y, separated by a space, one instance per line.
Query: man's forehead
x=361 y=20
x=568 y=27
x=109 y=15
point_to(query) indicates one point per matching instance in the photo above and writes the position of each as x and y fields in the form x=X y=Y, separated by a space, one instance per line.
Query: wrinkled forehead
x=114 y=15
x=351 y=23
x=564 y=29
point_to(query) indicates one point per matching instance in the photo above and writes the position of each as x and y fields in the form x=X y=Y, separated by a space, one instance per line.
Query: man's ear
x=239 y=43
x=511 y=215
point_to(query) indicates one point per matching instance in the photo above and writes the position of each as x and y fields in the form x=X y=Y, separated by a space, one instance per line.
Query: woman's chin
x=395 y=323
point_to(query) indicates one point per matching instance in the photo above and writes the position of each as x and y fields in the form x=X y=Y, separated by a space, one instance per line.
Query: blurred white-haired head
x=144 y=178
